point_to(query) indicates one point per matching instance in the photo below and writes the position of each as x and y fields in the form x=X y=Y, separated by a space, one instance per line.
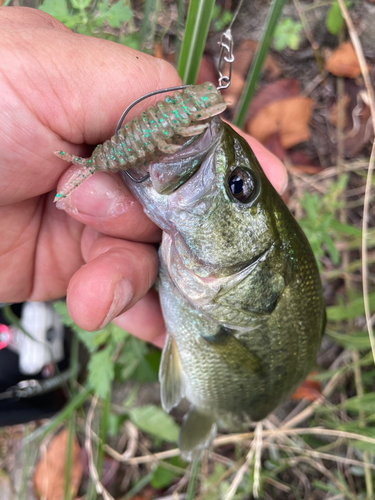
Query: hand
x=64 y=91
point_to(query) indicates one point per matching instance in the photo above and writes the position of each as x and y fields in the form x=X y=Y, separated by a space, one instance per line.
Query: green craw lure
x=160 y=130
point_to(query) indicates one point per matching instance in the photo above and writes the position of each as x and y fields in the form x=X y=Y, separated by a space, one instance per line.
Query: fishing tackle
x=160 y=130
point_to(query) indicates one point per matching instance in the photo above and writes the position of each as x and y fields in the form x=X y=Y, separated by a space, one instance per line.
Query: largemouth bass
x=239 y=286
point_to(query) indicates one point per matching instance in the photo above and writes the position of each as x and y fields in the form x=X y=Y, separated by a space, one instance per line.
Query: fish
x=239 y=286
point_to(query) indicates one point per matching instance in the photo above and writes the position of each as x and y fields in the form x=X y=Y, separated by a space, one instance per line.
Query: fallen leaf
x=360 y=134
x=273 y=144
x=343 y=62
x=243 y=57
x=289 y=117
x=233 y=92
x=303 y=161
x=357 y=121
x=49 y=473
x=333 y=111
x=309 y=389
x=207 y=71
x=285 y=87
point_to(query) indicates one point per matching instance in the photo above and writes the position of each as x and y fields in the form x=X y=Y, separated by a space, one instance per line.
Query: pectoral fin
x=170 y=375
x=197 y=432
x=233 y=352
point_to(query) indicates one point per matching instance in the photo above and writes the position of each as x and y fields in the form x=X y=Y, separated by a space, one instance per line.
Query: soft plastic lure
x=160 y=130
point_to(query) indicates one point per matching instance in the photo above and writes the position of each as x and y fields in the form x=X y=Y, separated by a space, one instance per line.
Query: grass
x=194 y=41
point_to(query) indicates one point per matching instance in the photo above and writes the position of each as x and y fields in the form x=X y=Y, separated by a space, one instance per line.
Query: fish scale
x=239 y=287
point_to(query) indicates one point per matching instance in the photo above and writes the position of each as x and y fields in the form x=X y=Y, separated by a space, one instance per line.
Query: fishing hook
x=226 y=54
x=122 y=118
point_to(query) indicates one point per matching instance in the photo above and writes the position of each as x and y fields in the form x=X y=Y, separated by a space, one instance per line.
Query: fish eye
x=241 y=185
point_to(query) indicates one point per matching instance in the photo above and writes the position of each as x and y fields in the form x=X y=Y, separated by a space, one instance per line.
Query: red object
x=309 y=389
x=5 y=336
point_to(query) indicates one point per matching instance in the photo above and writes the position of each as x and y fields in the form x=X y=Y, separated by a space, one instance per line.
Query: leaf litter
x=49 y=473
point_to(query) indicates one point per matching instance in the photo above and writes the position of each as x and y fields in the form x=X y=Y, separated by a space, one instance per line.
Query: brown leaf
x=289 y=117
x=333 y=111
x=207 y=71
x=309 y=389
x=234 y=91
x=286 y=87
x=344 y=62
x=361 y=133
x=303 y=161
x=273 y=144
x=49 y=473
x=243 y=57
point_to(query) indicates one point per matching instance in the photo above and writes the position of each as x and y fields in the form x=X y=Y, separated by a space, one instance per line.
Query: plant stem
x=69 y=456
x=192 y=480
x=103 y=432
x=145 y=30
x=179 y=28
x=257 y=64
x=138 y=486
x=197 y=24
x=361 y=416
x=75 y=403
x=309 y=36
x=74 y=353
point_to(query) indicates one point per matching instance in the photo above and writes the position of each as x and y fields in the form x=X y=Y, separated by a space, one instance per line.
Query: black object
x=17 y=410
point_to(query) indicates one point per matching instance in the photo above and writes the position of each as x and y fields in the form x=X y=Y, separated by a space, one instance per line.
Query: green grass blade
x=148 y=25
x=69 y=457
x=144 y=481
x=103 y=429
x=197 y=24
x=180 y=24
x=74 y=366
x=260 y=56
x=190 y=494
x=52 y=424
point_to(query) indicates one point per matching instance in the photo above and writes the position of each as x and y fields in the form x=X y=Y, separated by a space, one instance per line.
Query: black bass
x=239 y=287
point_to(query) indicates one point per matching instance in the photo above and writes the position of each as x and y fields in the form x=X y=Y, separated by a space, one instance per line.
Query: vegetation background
x=301 y=84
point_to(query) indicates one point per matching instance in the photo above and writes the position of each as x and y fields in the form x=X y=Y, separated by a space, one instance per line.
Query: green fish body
x=239 y=286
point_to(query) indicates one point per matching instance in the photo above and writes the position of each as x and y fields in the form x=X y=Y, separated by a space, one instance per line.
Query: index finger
x=73 y=91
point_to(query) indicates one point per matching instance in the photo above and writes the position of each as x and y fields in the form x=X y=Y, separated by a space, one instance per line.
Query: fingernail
x=99 y=196
x=122 y=297
x=283 y=189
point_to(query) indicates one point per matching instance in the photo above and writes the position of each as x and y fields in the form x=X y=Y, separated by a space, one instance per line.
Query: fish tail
x=197 y=432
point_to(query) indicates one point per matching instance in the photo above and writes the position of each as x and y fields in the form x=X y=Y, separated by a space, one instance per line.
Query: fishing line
x=225 y=55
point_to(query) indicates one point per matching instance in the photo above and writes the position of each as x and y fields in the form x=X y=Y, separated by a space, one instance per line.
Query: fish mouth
x=170 y=172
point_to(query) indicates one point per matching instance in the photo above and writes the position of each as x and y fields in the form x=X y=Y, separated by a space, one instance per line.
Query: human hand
x=64 y=91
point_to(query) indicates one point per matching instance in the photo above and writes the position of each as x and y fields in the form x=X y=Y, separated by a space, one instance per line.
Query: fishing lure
x=160 y=130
